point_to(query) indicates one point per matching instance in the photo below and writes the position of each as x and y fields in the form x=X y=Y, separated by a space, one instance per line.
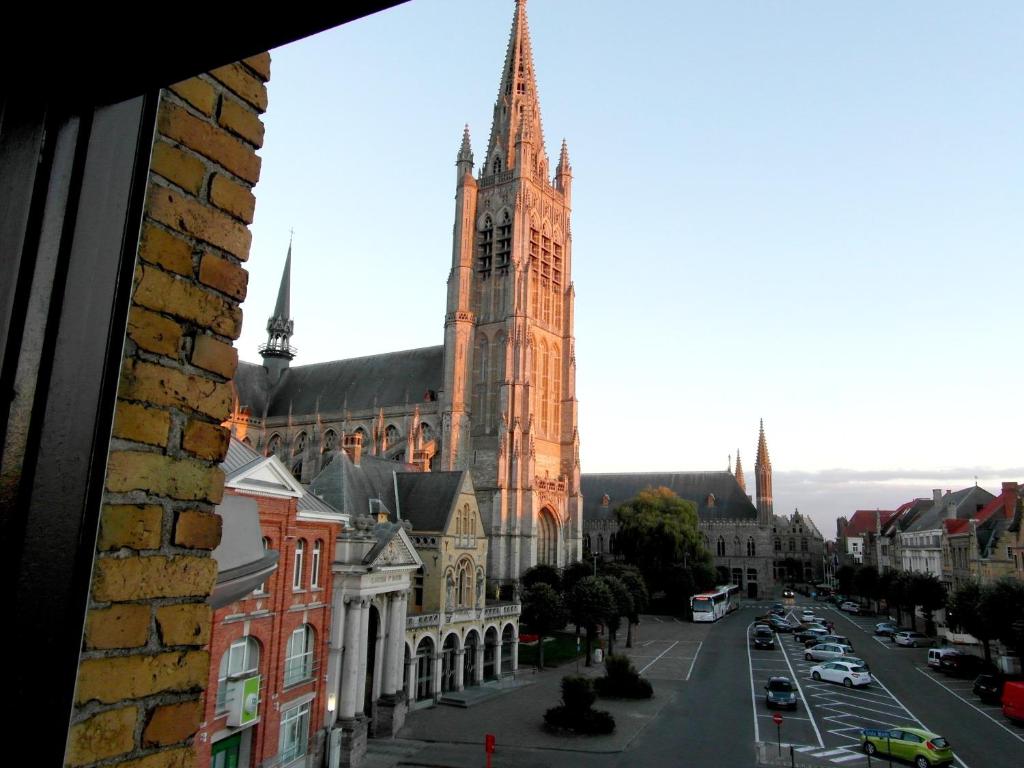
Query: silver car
x=826 y=651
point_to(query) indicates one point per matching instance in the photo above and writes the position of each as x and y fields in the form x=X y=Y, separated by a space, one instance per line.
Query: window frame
x=300 y=551
x=299 y=659
x=291 y=743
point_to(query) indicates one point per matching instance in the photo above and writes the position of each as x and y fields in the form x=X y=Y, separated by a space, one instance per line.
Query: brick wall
x=144 y=666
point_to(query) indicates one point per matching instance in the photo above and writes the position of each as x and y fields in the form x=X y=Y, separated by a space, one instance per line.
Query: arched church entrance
x=425 y=669
x=491 y=650
x=373 y=628
x=448 y=658
x=508 y=640
x=547 y=538
x=469 y=658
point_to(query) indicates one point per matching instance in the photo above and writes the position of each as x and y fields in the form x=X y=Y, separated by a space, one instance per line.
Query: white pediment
x=268 y=476
x=398 y=552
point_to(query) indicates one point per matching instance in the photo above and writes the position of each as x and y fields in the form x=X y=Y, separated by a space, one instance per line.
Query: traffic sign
x=777 y=718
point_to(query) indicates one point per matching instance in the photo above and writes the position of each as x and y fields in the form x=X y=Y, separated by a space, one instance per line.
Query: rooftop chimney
x=936 y=494
x=353 y=446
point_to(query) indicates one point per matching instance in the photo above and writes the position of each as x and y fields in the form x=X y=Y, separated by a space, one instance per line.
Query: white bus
x=713 y=605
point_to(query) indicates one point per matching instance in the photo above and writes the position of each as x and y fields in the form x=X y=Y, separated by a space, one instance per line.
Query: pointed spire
x=763 y=480
x=517 y=109
x=762 y=449
x=277 y=352
x=740 y=480
x=466 y=150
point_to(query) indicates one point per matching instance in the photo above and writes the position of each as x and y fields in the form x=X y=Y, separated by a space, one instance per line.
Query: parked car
x=911 y=639
x=780 y=693
x=989 y=688
x=1013 y=700
x=842 y=640
x=855 y=660
x=826 y=651
x=850 y=607
x=779 y=625
x=810 y=633
x=778 y=609
x=763 y=637
x=844 y=671
x=915 y=745
x=886 y=629
x=964 y=665
x=935 y=655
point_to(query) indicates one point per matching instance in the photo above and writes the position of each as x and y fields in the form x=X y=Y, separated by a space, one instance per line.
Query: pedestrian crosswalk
x=840 y=755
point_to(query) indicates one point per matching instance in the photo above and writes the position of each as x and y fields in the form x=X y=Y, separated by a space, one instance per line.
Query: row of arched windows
x=547 y=386
x=299 y=564
x=546 y=279
x=737 y=548
x=596 y=544
x=242 y=659
x=791 y=545
x=489 y=372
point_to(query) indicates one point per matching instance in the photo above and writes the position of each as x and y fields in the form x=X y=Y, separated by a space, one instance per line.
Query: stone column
x=380 y=660
x=459 y=671
x=436 y=661
x=411 y=670
x=391 y=707
x=363 y=620
x=497 y=659
x=334 y=656
x=515 y=653
x=478 y=672
x=353 y=727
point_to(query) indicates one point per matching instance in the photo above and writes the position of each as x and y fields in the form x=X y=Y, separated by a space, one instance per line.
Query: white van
x=935 y=655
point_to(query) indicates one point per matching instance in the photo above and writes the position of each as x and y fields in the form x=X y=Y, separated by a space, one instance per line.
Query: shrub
x=575 y=712
x=621 y=680
x=577 y=693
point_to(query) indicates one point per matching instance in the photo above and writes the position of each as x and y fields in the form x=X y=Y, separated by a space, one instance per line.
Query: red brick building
x=279 y=632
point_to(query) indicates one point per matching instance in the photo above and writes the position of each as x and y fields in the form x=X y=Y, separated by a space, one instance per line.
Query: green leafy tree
x=965 y=612
x=573 y=572
x=622 y=606
x=704 y=577
x=638 y=591
x=927 y=592
x=542 y=574
x=1002 y=606
x=865 y=582
x=543 y=612
x=590 y=602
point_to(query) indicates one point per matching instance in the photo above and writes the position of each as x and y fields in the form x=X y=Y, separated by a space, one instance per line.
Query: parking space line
x=788 y=717
x=659 y=656
x=690 y=672
x=969 y=704
x=753 y=696
x=796 y=682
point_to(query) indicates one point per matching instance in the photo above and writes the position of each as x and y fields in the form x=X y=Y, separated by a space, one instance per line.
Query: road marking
x=796 y=682
x=830 y=752
x=753 y=696
x=659 y=656
x=695 y=659
x=849 y=756
x=787 y=717
x=657 y=619
x=648 y=643
x=675 y=619
x=969 y=704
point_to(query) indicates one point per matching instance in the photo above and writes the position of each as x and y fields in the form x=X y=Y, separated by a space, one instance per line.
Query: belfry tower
x=763 y=478
x=278 y=352
x=509 y=411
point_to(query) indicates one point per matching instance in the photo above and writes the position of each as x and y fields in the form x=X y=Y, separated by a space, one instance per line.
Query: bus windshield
x=702 y=604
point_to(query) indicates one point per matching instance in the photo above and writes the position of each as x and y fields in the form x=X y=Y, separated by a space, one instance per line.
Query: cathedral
x=497 y=398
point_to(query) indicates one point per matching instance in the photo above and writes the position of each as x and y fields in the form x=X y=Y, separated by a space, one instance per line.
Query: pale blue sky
x=809 y=212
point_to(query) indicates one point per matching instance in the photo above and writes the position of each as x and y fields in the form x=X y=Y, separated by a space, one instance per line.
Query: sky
x=803 y=212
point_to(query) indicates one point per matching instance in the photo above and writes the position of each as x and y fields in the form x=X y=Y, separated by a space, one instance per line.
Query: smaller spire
x=740 y=479
x=466 y=150
x=277 y=352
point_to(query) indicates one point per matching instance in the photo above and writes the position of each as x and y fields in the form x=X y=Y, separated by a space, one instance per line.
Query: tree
x=704 y=576
x=1002 y=607
x=965 y=612
x=543 y=612
x=844 y=575
x=630 y=576
x=573 y=572
x=895 y=588
x=589 y=603
x=657 y=529
x=865 y=582
x=928 y=592
x=622 y=605
x=542 y=574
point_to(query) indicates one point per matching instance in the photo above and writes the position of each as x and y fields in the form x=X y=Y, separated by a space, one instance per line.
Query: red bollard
x=489 y=747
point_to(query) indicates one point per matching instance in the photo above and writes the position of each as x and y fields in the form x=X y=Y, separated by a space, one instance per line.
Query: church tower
x=763 y=478
x=277 y=353
x=509 y=411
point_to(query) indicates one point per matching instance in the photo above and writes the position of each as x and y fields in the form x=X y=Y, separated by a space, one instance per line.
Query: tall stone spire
x=763 y=479
x=517 y=108
x=464 y=160
x=277 y=353
x=740 y=480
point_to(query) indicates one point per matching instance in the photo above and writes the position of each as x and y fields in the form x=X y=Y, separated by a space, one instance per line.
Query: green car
x=916 y=745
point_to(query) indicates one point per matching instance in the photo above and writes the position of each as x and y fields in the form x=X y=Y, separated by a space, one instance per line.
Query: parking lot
x=666 y=649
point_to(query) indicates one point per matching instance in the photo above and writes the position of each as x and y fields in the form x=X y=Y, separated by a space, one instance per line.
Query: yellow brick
x=171 y=758
x=143 y=425
x=118 y=678
x=172 y=723
x=197 y=530
x=260 y=63
x=165 y=250
x=141 y=578
x=153 y=332
x=226 y=276
x=199 y=93
x=184 y=623
x=191 y=217
x=250 y=88
x=104 y=735
x=160 y=385
x=233 y=198
x=242 y=121
x=205 y=440
x=208 y=140
x=181 y=168
x=214 y=355
x=119 y=626
x=136 y=526
x=163 y=292
x=183 y=479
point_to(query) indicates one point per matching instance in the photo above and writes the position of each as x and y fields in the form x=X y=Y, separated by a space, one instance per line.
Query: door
x=224 y=753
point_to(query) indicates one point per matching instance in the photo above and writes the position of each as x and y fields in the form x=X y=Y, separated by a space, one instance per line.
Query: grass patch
x=558 y=650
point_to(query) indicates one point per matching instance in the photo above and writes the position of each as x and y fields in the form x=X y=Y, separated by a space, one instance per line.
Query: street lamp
x=594 y=555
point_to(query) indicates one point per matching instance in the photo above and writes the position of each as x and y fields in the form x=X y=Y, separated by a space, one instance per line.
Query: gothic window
x=586 y=542
x=479 y=403
x=709 y=501
x=600 y=543
x=300 y=444
x=273 y=445
x=497 y=375
x=427 y=432
x=554 y=396
x=464 y=583
x=751 y=548
x=792 y=545
x=803 y=545
x=417 y=588
x=503 y=251
x=485 y=249
x=330 y=441
x=778 y=545
x=391 y=433
x=611 y=543
x=556 y=286
x=362 y=435
x=545 y=387
x=720 y=547
x=736 y=546
x=547 y=538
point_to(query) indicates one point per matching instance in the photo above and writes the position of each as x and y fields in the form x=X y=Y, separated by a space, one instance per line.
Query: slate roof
x=426 y=498
x=731 y=503
x=356 y=384
x=238 y=458
x=863 y=521
x=967 y=502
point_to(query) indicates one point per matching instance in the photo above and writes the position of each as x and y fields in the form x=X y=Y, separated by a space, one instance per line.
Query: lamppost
x=594 y=555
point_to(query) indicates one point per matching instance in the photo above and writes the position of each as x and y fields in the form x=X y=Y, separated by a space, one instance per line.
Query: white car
x=850 y=607
x=842 y=671
x=912 y=639
x=826 y=651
